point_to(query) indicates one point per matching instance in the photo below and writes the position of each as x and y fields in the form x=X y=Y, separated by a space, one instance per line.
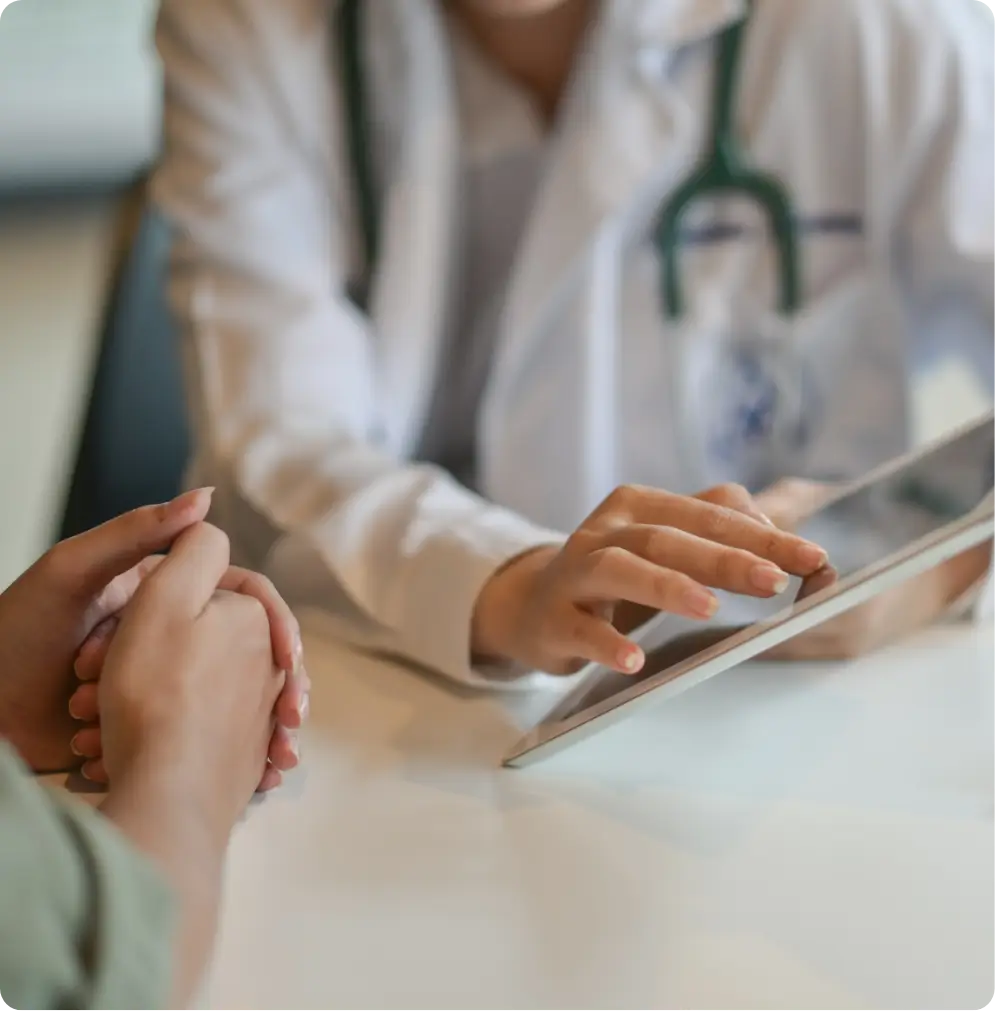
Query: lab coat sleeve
x=942 y=190
x=281 y=367
x=84 y=921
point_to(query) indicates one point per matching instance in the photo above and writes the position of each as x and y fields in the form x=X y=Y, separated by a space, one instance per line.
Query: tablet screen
x=859 y=529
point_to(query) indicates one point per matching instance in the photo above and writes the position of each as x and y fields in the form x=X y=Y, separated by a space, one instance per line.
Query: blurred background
x=91 y=407
x=90 y=402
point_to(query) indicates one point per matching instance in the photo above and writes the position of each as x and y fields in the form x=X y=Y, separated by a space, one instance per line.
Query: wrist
x=161 y=807
x=499 y=606
x=174 y=827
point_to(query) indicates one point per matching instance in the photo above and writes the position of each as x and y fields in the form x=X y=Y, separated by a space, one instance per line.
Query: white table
x=777 y=837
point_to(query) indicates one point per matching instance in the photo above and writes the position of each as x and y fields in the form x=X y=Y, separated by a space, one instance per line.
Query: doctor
x=453 y=276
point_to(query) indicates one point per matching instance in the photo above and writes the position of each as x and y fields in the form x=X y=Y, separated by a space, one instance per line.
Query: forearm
x=180 y=836
x=401 y=563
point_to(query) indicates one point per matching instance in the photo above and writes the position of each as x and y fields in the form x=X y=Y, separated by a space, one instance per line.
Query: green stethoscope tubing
x=349 y=34
x=723 y=171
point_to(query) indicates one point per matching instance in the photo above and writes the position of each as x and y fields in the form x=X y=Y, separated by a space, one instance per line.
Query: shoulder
x=261 y=50
x=882 y=32
x=896 y=70
x=253 y=70
x=217 y=23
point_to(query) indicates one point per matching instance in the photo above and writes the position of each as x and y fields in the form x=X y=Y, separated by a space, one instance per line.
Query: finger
x=735 y=496
x=87 y=743
x=115 y=596
x=83 y=704
x=89 y=561
x=272 y=778
x=95 y=771
x=284 y=751
x=583 y=636
x=92 y=654
x=818 y=581
x=284 y=628
x=293 y=703
x=613 y=573
x=731 y=527
x=188 y=578
x=704 y=561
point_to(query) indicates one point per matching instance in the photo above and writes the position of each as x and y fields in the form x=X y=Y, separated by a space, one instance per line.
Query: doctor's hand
x=557 y=608
x=888 y=617
x=292 y=703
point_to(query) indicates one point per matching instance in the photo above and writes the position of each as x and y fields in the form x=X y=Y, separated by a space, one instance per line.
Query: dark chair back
x=135 y=438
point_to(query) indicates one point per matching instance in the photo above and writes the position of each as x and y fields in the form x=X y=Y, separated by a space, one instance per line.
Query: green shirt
x=85 y=922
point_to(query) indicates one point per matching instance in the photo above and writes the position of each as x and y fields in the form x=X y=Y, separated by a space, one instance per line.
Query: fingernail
x=295 y=747
x=74 y=708
x=769 y=578
x=85 y=774
x=188 y=500
x=304 y=707
x=701 y=602
x=812 y=556
x=73 y=747
x=298 y=653
x=632 y=660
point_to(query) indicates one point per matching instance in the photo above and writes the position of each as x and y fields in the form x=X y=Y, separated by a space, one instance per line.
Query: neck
x=535 y=50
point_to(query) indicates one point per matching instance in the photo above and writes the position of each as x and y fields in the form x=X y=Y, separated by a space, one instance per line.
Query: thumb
x=88 y=562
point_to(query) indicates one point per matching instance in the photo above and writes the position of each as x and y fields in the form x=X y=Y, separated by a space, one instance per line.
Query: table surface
x=781 y=836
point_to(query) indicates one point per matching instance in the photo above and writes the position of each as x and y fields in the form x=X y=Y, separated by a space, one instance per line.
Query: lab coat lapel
x=631 y=128
x=410 y=299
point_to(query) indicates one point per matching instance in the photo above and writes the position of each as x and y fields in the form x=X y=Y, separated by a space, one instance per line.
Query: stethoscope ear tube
x=724 y=171
x=348 y=30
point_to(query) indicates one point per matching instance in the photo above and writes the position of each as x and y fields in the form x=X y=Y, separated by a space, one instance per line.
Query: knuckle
x=718 y=522
x=727 y=494
x=149 y=564
x=657 y=545
x=217 y=538
x=717 y=493
x=577 y=629
x=259 y=586
x=624 y=498
x=150 y=515
x=254 y=610
x=772 y=542
x=580 y=542
x=728 y=569
x=606 y=559
x=619 y=498
x=57 y=564
x=664 y=584
x=250 y=624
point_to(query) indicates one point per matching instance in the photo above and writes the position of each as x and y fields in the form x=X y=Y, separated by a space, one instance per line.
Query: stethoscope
x=723 y=171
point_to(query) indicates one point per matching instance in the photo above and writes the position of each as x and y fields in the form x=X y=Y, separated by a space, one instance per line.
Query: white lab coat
x=877 y=115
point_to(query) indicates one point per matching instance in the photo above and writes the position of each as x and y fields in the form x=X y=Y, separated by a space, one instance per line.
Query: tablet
x=902 y=519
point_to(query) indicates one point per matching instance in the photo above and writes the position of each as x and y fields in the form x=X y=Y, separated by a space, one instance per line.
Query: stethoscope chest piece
x=748 y=400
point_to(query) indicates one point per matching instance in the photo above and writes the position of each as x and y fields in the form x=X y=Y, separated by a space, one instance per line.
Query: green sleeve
x=84 y=920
